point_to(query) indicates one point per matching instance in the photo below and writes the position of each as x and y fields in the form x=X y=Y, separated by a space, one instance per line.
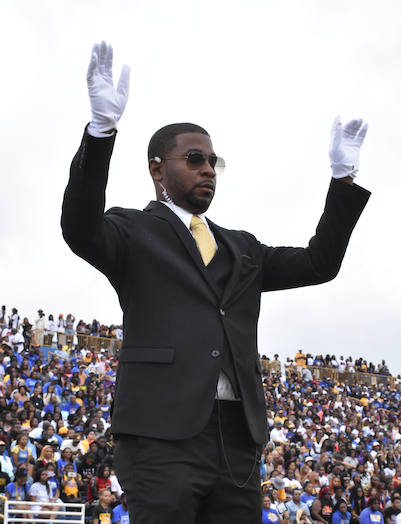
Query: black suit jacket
x=175 y=322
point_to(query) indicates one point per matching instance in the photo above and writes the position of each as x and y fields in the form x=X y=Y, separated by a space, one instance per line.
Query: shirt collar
x=184 y=215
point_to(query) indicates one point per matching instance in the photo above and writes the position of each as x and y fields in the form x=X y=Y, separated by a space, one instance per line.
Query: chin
x=199 y=206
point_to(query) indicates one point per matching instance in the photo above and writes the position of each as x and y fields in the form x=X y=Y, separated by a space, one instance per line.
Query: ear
x=156 y=169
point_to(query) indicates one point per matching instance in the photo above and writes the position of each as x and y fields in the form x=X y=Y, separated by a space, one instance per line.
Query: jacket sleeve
x=289 y=267
x=90 y=233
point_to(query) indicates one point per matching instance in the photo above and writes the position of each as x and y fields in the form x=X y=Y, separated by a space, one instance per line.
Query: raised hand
x=107 y=103
x=345 y=145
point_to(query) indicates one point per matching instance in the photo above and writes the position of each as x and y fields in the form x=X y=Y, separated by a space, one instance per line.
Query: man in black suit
x=189 y=410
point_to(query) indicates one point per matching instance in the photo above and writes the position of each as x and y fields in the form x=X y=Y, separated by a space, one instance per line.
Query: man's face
x=397 y=504
x=375 y=505
x=296 y=495
x=192 y=190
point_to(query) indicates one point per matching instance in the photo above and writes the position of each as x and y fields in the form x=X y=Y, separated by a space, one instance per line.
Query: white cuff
x=97 y=134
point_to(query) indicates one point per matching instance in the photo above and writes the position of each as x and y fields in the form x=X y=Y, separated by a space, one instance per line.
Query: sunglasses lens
x=196 y=160
x=219 y=165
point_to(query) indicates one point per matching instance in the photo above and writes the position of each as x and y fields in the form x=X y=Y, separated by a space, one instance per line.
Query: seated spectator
x=101 y=481
x=4 y=480
x=302 y=517
x=74 y=443
x=90 y=434
x=121 y=516
x=21 y=454
x=308 y=496
x=103 y=512
x=295 y=504
x=18 y=490
x=391 y=512
x=290 y=482
x=316 y=512
x=372 y=514
x=5 y=461
x=326 y=504
x=71 y=482
x=46 y=457
x=53 y=482
x=66 y=458
x=340 y=513
x=87 y=469
x=41 y=492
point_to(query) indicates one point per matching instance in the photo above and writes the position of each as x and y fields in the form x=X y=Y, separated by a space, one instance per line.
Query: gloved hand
x=345 y=145
x=107 y=103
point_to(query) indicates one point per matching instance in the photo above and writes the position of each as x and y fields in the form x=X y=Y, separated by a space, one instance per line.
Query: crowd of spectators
x=55 y=445
x=331 y=362
x=333 y=454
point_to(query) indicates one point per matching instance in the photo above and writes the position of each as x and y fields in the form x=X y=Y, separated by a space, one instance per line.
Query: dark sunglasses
x=195 y=160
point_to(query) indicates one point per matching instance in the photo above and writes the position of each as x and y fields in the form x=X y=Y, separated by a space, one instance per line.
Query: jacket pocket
x=161 y=355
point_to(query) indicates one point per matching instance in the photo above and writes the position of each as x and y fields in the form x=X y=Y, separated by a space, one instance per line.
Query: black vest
x=220 y=269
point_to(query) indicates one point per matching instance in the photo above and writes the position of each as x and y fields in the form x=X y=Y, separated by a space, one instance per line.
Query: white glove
x=107 y=103
x=345 y=145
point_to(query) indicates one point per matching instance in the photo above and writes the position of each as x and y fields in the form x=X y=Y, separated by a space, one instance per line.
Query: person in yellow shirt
x=82 y=375
x=90 y=437
x=71 y=481
x=68 y=347
x=300 y=360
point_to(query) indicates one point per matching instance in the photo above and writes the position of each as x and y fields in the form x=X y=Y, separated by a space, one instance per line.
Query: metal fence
x=112 y=345
x=334 y=374
x=68 y=513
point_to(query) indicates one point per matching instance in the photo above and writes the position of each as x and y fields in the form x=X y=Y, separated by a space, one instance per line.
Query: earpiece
x=165 y=194
x=157 y=158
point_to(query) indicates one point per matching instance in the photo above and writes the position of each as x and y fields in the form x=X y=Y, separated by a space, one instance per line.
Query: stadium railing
x=319 y=373
x=68 y=513
x=111 y=344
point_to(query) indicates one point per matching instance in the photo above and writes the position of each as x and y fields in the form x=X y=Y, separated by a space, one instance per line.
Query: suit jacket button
x=222 y=312
x=215 y=353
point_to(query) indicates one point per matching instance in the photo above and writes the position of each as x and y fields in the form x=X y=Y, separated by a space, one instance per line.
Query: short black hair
x=164 y=140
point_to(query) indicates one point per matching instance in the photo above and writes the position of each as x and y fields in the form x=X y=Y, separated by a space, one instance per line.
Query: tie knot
x=196 y=221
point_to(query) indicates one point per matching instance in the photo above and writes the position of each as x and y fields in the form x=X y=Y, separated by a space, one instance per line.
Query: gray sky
x=266 y=79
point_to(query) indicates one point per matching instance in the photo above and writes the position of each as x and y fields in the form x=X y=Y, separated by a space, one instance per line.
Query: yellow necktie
x=204 y=239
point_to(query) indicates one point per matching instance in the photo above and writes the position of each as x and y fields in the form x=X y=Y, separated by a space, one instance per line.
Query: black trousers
x=213 y=478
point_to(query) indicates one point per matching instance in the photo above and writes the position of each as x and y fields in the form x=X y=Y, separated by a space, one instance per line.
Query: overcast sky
x=266 y=79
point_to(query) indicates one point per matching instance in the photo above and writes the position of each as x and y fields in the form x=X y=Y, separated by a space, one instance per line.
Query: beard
x=200 y=204
x=187 y=198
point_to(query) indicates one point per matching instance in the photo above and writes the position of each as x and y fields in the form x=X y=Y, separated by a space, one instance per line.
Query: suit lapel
x=165 y=213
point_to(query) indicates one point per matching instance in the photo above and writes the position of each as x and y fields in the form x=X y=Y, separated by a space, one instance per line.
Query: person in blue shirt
x=372 y=514
x=295 y=504
x=31 y=381
x=50 y=407
x=269 y=515
x=340 y=514
x=308 y=497
x=18 y=490
x=72 y=406
x=120 y=513
x=57 y=387
x=66 y=458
